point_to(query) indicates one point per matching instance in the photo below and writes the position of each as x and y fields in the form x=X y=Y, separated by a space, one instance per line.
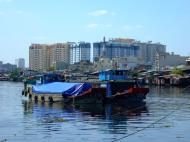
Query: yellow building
x=44 y=56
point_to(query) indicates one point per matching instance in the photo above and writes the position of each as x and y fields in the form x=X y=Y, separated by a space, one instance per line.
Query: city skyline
x=27 y=22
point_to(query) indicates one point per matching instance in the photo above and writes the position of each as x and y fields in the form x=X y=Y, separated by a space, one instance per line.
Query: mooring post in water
x=73 y=100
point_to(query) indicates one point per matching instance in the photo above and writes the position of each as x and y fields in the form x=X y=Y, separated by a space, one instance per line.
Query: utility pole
x=103 y=49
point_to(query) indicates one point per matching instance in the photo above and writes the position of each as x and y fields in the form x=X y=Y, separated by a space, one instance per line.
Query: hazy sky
x=23 y=22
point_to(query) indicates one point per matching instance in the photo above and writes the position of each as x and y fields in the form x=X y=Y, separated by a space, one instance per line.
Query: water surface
x=164 y=117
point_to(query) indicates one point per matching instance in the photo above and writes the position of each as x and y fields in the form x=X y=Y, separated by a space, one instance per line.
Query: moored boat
x=113 y=86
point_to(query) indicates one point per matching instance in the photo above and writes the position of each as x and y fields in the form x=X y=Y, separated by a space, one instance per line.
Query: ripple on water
x=22 y=120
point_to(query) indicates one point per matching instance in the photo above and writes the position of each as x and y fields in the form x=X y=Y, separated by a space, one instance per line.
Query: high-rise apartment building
x=124 y=47
x=74 y=52
x=79 y=52
x=39 y=57
x=59 y=52
x=149 y=50
x=20 y=63
x=114 y=49
x=43 y=56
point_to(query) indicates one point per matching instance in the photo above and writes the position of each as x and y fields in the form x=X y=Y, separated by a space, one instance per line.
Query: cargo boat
x=113 y=86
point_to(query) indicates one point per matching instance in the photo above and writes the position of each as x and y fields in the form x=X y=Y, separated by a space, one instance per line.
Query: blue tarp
x=62 y=88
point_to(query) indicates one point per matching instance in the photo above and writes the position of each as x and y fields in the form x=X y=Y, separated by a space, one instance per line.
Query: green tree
x=177 y=71
x=135 y=74
x=52 y=68
x=16 y=75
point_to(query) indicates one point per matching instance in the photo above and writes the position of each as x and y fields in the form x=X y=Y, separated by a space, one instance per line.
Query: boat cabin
x=45 y=78
x=49 y=78
x=113 y=75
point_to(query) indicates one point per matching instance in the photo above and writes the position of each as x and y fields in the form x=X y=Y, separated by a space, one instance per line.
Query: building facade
x=7 y=67
x=124 y=47
x=58 y=52
x=114 y=49
x=44 y=56
x=166 y=60
x=20 y=63
x=124 y=63
x=79 y=52
x=39 y=57
x=149 y=50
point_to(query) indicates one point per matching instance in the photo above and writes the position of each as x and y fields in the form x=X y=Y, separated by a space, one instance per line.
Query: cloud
x=7 y=1
x=98 y=13
x=11 y=13
x=92 y=25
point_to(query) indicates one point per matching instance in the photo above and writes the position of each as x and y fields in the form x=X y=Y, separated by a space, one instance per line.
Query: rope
x=148 y=126
x=185 y=88
x=152 y=124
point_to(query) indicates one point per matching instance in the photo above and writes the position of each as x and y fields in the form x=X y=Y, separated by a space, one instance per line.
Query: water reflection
x=107 y=111
x=22 y=120
x=169 y=91
x=52 y=116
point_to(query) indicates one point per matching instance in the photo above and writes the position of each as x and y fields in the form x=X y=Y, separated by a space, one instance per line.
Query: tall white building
x=20 y=63
x=74 y=52
x=79 y=52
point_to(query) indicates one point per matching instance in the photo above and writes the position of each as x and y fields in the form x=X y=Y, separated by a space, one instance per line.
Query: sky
x=23 y=22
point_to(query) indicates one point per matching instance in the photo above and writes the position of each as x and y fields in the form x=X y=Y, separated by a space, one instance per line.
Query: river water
x=164 y=117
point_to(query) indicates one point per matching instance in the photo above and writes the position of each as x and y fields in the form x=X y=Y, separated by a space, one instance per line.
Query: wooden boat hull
x=90 y=98
x=121 y=92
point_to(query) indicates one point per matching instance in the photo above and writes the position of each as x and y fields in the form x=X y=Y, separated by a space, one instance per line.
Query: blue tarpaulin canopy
x=62 y=88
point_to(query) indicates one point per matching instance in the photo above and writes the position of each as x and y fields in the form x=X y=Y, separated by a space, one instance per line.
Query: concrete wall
x=167 y=60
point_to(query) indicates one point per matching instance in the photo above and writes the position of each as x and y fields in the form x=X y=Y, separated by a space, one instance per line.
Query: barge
x=113 y=86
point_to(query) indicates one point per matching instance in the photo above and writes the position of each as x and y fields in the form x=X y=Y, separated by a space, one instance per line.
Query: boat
x=113 y=86
x=59 y=91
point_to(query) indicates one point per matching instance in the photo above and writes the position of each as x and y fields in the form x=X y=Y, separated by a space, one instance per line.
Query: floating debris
x=54 y=120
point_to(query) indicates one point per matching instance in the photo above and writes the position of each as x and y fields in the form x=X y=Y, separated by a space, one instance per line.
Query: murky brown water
x=164 y=117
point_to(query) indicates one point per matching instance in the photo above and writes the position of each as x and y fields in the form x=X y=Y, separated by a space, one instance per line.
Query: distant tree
x=52 y=68
x=177 y=71
x=16 y=75
x=135 y=74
